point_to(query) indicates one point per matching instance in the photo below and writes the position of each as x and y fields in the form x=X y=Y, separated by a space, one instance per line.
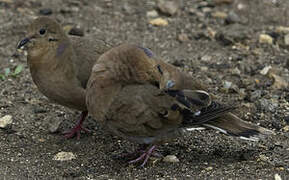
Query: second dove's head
x=44 y=36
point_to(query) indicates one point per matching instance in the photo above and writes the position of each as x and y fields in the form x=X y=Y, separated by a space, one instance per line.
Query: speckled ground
x=216 y=50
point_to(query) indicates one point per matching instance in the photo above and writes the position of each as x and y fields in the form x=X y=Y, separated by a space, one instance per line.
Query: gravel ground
x=238 y=47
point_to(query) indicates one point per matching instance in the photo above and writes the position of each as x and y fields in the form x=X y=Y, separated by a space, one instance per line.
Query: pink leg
x=145 y=156
x=77 y=128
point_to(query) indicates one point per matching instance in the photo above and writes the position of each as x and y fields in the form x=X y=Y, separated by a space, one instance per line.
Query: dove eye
x=160 y=69
x=42 y=31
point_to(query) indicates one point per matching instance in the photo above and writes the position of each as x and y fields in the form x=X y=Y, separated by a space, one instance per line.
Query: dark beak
x=23 y=42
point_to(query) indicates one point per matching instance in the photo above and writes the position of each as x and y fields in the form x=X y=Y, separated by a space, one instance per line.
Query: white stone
x=171 y=158
x=5 y=121
x=277 y=177
x=265 y=39
x=286 y=39
x=265 y=70
x=64 y=156
x=152 y=13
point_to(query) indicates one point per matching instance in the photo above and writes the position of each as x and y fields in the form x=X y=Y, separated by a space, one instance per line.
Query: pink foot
x=76 y=130
x=145 y=156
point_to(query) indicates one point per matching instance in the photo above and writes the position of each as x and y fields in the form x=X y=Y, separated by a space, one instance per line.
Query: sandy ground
x=216 y=41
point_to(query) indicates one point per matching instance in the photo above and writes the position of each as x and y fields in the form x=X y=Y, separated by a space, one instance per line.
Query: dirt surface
x=225 y=52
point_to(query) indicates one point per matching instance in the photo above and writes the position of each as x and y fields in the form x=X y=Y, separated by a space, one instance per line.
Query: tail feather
x=231 y=125
x=197 y=109
x=207 y=114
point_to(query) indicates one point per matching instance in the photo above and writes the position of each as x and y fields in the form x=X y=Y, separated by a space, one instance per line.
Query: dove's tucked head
x=44 y=36
x=167 y=81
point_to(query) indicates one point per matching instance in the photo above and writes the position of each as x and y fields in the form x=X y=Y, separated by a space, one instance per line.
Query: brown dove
x=61 y=65
x=149 y=102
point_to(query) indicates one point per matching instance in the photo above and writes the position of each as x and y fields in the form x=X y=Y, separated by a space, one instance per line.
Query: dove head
x=167 y=80
x=44 y=36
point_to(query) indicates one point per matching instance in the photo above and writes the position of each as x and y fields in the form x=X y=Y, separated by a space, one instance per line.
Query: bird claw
x=75 y=131
x=145 y=156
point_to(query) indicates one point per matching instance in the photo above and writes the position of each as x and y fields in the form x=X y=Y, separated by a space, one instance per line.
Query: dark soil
x=233 y=54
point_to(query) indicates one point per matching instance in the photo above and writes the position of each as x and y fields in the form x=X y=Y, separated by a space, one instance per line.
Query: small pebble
x=152 y=14
x=265 y=39
x=54 y=125
x=64 y=156
x=5 y=121
x=209 y=168
x=227 y=85
x=168 y=7
x=219 y=14
x=171 y=158
x=265 y=70
x=183 y=37
x=286 y=128
x=236 y=71
x=233 y=18
x=206 y=58
x=159 y=22
x=45 y=11
x=277 y=177
x=263 y=158
x=282 y=29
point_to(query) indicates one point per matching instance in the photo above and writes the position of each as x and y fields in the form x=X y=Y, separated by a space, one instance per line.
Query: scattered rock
x=232 y=34
x=227 y=84
x=209 y=168
x=152 y=14
x=286 y=128
x=265 y=70
x=282 y=29
x=286 y=39
x=159 y=22
x=229 y=87
x=265 y=39
x=64 y=156
x=279 y=82
x=233 y=18
x=171 y=158
x=236 y=71
x=168 y=7
x=54 y=125
x=211 y=32
x=76 y=31
x=5 y=121
x=183 y=37
x=277 y=177
x=219 y=14
x=264 y=158
x=45 y=11
x=206 y=58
